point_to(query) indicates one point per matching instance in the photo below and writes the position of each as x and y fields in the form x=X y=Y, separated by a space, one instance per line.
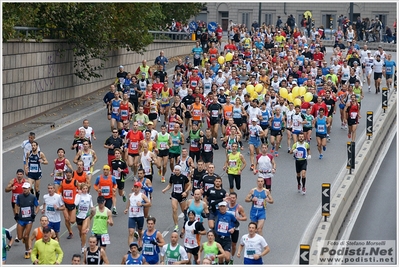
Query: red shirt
x=230 y=47
x=202 y=98
x=134 y=139
x=316 y=107
x=194 y=81
x=156 y=87
x=219 y=33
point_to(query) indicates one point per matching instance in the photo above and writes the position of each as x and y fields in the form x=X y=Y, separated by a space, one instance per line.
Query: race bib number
x=193 y=143
x=232 y=163
x=228 y=114
x=175 y=142
x=68 y=194
x=105 y=190
x=299 y=154
x=86 y=168
x=147 y=171
x=140 y=123
x=171 y=261
x=320 y=128
x=178 y=188
x=115 y=110
x=171 y=126
x=276 y=124
x=353 y=115
x=105 y=239
x=215 y=113
x=223 y=227
x=14 y=197
x=83 y=208
x=50 y=208
x=189 y=241
x=258 y=203
x=207 y=147
x=59 y=175
x=25 y=212
x=34 y=168
x=80 y=147
x=135 y=210
x=250 y=252
x=162 y=145
x=124 y=113
x=134 y=145
x=197 y=112
x=388 y=69
x=207 y=186
x=116 y=174
x=148 y=249
x=296 y=123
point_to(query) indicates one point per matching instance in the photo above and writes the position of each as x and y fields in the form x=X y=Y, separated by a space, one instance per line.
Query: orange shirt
x=228 y=111
x=68 y=191
x=106 y=186
x=197 y=111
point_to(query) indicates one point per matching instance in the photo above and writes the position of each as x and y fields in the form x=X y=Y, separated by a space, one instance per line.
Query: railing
x=48 y=33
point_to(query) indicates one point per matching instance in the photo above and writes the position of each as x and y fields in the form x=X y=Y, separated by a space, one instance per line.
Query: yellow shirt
x=49 y=253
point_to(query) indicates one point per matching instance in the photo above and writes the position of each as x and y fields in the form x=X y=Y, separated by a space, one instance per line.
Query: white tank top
x=146 y=162
x=87 y=160
x=134 y=210
x=345 y=73
x=184 y=166
x=190 y=240
x=264 y=167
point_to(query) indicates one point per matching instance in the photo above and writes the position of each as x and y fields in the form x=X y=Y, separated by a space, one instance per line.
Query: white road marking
x=164 y=233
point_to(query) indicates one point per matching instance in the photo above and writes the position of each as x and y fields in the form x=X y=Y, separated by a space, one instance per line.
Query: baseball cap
x=223 y=203
x=106 y=167
x=121 y=67
x=138 y=184
x=100 y=199
x=221 y=88
x=220 y=71
x=275 y=45
x=305 y=45
x=379 y=46
x=177 y=167
x=134 y=244
x=355 y=62
x=26 y=185
x=69 y=170
x=143 y=73
x=150 y=123
x=255 y=119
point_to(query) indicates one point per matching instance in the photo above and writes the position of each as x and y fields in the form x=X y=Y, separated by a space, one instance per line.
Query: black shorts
x=388 y=76
x=187 y=114
x=377 y=75
x=80 y=221
x=108 y=203
x=235 y=236
x=173 y=155
x=301 y=165
x=149 y=177
x=343 y=81
x=193 y=251
x=163 y=153
x=275 y=133
x=306 y=129
x=352 y=122
x=70 y=206
x=265 y=127
x=244 y=119
x=289 y=129
x=207 y=157
x=121 y=185
x=214 y=121
x=224 y=241
x=152 y=116
x=99 y=242
x=195 y=155
x=178 y=197
x=238 y=122
x=321 y=136
x=133 y=155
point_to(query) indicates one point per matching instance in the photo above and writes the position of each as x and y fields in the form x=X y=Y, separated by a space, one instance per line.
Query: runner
x=176 y=140
x=102 y=218
x=27 y=207
x=276 y=131
x=89 y=132
x=188 y=100
x=133 y=257
x=46 y=250
x=80 y=175
x=89 y=158
x=307 y=128
x=6 y=245
x=377 y=68
x=112 y=142
x=141 y=119
x=27 y=146
x=238 y=211
x=265 y=121
x=135 y=207
x=199 y=207
x=194 y=138
x=214 y=111
x=106 y=185
x=259 y=197
x=52 y=207
x=147 y=159
x=352 y=116
x=180 y=185
x=213 y=195
x=329 y=100
x=166 y=95
x=233 y=166
x=15 y=187
x=389 y=70
x=78 y=142
x=133 y=140
x=83 y=203
x=255 y=135
x=321 y=124
x=126 y=109
x=301 y=150
x=368 y=63
x=227 y=113
x=37 y=234
x=33 y=170
x=60 y=165
x=146 y=189
x=68 y=190
x=173 y=120
x=208 y=144
x=152 y=242
x=154 y=106
x=255 y=246
x=119 y=171
x=265 y=167
x=164 y=141
x=94 y=254
x=197 y=111
x=288 y=123
x=191 y=230
x=173 y=253
x=114 y=110
x=212 y=250
x=298 y=120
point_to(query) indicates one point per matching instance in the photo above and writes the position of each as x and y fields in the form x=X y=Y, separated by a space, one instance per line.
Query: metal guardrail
x=48 y=33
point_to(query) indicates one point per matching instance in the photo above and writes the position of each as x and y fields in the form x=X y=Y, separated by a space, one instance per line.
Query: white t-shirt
x=253 y=113
x=53 y=215
x=84 y=202
x=27 y=147
x=254 y=245
x=378 y=66
x=207 y=85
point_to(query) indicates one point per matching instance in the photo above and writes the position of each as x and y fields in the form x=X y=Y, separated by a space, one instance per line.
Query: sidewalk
x=64 y=114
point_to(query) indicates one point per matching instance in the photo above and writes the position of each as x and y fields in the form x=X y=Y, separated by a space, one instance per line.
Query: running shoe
x=321 y=156
x=136 y=234
x=303 y=190
x=275 y=153
x=176 y=228
x=163 y=179
x=159 y=119
x=272 y=150
x=299 y=188
x=83 y=250
x=289 y=150
x=231 y=262
x=349 y=135
x=328 y=138
x=369 y=89
x=342 y=125
x=252 y=167
x=27 y=255
x=124 y=198
x=346 y=127
x=324 y=148
x=16 y=240
x=114 y=212
x=70 y=236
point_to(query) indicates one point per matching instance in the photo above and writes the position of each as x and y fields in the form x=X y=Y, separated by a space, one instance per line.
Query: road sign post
x=304 y=254
x=384 y=98
x=350 y=148
x=325 y=200
x=369 y=124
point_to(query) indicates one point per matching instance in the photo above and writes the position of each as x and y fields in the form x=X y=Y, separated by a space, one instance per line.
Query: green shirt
x=162 y=141
x=172 y=256
x=141 y=120
x=176 y=146
x=100 y=224
x=234 y=163
x=49 y=252
x=211 y=250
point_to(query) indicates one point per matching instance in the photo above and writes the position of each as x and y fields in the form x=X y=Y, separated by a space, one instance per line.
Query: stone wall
x=37 y=77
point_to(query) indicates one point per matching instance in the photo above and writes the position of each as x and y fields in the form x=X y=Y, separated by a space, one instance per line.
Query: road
x=287 y=218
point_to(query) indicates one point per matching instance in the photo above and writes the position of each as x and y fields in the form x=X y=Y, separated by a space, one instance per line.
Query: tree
x=94 y=29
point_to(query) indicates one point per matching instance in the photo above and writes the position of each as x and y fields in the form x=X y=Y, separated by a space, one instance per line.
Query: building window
x=245 y=17
x=224 y=14
x=382 y=18
x=269 y=19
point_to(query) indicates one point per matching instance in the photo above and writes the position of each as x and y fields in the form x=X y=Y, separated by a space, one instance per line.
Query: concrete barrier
x=343 y=198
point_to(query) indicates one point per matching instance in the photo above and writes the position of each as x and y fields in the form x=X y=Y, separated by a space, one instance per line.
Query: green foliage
x=95 y=29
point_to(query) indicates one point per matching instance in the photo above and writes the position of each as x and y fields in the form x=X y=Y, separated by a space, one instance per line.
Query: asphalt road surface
x=286 y=220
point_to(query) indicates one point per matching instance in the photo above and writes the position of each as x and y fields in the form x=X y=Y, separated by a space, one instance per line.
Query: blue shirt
x=161 y=61
x=389 y=64
x=224 y=223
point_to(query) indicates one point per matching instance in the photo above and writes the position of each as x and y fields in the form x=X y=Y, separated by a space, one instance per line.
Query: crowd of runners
x=262 y=92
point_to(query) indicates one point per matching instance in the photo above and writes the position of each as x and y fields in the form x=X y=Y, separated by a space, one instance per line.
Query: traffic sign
x=325 y=200
x=193 y=25
x=350 y=164
x=369 y=124
x=384 y=98
x=304 y=254
x=212 y=26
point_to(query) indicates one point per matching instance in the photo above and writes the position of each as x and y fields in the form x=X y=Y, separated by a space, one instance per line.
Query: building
x=248 y=12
